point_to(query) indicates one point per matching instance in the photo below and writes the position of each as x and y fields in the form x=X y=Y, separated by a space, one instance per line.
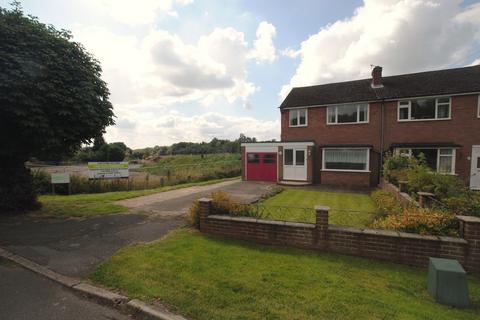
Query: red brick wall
x=398 y=247
x=463 y=129
x=349 y=180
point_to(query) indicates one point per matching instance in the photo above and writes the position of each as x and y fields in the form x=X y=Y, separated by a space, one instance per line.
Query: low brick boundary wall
x=402 y=197
x=392 y=246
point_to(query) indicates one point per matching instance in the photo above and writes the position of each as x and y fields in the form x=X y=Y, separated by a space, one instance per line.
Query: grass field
x=205 y=277
x=88 y=205
x=196 y=166
x=352 y=209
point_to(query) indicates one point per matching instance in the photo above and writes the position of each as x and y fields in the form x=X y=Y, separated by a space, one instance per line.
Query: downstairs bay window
x=346 y=159
x=441 y=160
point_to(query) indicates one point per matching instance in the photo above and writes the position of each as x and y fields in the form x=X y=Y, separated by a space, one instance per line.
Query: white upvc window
x=297 y=117
x=346 y=159
x=478 y=107
x=441 y=160
x=348 y=113
x=425 y=109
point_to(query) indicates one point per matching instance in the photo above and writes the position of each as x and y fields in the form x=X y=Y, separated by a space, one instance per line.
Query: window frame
x=367 y=120
x=346 y=170
x=409 y=106
x=453 y=156
x=297 y=111
x=478 y=107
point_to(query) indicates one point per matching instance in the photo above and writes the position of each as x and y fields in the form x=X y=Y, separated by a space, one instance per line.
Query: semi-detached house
x=337 y=133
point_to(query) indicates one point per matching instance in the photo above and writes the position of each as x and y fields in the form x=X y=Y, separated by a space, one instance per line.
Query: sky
x=191 y=70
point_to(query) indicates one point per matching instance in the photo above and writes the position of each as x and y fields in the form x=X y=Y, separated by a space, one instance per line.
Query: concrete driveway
x=75 y=247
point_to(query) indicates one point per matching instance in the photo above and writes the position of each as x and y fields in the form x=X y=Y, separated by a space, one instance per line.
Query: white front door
x=475 y=168
x=295 y=164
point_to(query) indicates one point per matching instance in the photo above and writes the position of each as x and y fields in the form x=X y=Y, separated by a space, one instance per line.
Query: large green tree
x=52 y=100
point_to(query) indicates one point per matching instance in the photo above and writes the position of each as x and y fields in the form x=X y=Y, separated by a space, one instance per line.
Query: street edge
x=102 y=295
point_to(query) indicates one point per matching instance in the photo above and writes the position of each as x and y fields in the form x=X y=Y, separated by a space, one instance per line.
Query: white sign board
x=58 y=178
x=107 y=170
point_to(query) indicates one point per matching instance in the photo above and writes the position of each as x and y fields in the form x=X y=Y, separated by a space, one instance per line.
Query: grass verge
x=347 y=208
x=95 y=204
x=207 y=277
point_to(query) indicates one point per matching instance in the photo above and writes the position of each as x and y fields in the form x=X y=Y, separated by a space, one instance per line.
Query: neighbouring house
x=337 y=133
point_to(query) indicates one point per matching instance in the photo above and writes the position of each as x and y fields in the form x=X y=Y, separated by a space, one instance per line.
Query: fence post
x=423 y=198
x=205 y=205
x=321 y=225
x=470 y=231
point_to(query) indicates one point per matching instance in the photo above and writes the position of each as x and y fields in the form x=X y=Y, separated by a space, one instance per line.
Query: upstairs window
x=424 y=109
x=297 y=117
x=348 y=113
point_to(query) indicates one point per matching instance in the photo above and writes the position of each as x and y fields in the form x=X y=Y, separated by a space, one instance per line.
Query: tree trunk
x=16 y=187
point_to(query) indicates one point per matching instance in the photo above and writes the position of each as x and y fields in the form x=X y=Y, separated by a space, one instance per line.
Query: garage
x=262 y=166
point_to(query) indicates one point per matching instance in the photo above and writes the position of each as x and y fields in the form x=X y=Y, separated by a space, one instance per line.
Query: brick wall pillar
x=470 y=231
x=321 y=225
x=205 y=208
x=424 y=199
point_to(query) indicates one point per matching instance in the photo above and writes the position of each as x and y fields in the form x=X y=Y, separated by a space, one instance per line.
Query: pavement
x=26 y=295
x=74 y=247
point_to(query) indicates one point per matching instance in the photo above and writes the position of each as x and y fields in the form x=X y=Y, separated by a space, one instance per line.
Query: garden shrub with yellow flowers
x=422 y=221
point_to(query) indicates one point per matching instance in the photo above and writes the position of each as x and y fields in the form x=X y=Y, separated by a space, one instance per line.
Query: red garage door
x=262 y=166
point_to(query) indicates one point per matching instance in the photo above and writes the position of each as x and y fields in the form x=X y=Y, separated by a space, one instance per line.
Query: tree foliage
x=214 y=146
x=52 y=98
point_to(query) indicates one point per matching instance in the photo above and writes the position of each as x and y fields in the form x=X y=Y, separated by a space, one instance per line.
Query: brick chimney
x=377 y=77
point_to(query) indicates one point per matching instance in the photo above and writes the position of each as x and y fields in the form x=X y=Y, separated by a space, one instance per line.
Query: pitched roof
x=430 y=83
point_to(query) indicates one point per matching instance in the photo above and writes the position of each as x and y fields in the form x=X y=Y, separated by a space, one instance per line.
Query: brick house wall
x=391 y=246
x=463 y=129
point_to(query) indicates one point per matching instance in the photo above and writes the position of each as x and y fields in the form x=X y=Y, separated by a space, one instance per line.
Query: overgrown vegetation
x=426 y=221
x=170 y=170
x=210 y=278
x=423 y=221
x=386 y=203
x=195 y=167
x=451 y=193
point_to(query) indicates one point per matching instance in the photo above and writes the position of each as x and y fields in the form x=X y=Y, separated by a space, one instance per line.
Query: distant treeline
x=214 y=146
x=118 y=151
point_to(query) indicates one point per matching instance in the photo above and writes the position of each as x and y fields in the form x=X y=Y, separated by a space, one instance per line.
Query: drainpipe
x=382 y=138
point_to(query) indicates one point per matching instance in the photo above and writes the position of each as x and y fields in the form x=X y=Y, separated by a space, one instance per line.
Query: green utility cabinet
x=447 y=282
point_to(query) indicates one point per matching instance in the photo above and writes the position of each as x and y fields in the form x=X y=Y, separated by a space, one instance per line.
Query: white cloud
x=400 y=35
x=291 y=53
x=168 y=127
x=161 y=68
x=138 y=12
x=263 y=48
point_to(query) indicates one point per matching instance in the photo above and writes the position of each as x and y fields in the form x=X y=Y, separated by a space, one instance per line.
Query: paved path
x=26 y=295
x=173 y=194
x=75 y=247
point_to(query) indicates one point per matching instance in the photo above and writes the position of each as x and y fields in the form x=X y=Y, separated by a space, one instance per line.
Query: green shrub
x=386 y=202
x=222 y=204
x=41 y=182
x=443 y=186
x=468 y=205
x=422 y=221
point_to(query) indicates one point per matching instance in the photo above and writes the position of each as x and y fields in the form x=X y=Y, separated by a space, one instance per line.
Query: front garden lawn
x=205 y=277
x=96 y=204
x=347 y=208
